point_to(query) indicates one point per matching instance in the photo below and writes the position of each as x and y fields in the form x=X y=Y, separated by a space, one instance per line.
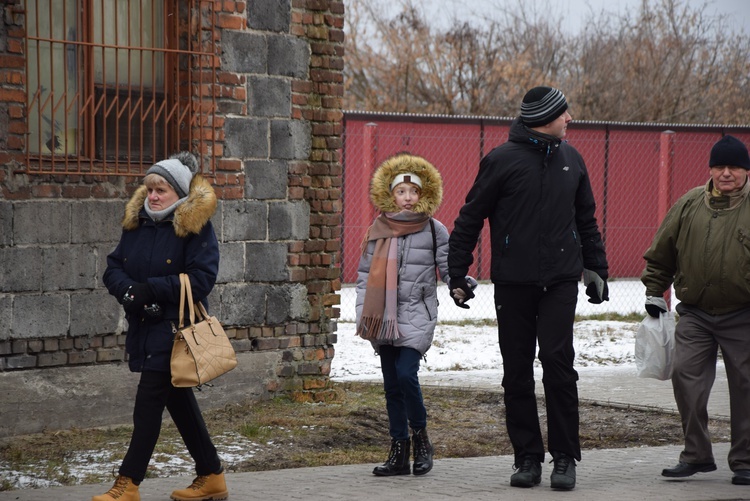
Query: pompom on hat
x=178 y=170
x=729 y=151
x=542 y=105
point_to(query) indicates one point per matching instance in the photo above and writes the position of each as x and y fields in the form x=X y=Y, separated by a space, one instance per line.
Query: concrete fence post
x=666 y=173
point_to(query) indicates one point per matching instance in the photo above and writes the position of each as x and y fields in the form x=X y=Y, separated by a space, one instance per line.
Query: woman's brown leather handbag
x=201 y=351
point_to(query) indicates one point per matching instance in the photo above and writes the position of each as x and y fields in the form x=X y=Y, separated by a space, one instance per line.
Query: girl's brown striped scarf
x=379 y=312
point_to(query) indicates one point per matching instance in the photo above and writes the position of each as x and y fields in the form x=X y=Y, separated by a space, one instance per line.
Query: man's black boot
x=564 y=472
x=528 y=473
x=683 y=469
x=741 y=477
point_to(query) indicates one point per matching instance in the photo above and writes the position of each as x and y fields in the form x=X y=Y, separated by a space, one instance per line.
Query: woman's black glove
x=136 y=297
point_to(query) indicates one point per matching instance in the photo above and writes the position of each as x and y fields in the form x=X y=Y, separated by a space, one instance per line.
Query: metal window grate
x=115 y=85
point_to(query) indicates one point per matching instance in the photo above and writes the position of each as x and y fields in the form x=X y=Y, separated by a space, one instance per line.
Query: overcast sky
x=572 y=11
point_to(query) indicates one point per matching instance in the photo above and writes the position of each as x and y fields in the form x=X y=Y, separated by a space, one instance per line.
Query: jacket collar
x=729 y=202
x=519 y=133
x=189 y=217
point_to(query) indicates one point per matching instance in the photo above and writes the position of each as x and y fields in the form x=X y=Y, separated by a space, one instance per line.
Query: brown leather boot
x=211 y=487
x=123 y=490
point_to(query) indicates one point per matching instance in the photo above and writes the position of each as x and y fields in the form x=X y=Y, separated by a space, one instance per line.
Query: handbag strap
x=201 y=310
x=186 y=295
x=181 y=322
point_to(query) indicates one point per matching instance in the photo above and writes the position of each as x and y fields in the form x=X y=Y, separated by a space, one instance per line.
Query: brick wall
x=278 y=130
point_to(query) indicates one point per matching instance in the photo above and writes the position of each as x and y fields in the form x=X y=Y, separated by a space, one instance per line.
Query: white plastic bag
x=654 y=346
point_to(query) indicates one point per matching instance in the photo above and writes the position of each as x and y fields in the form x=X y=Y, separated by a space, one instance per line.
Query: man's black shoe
x=741 y=477
x=687 y=469
x=528 y=473
x=564 y=473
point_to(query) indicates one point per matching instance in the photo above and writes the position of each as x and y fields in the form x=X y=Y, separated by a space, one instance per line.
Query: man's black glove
x=136 y=297
x=596 y=287
x=463 y=284
x=655 y=306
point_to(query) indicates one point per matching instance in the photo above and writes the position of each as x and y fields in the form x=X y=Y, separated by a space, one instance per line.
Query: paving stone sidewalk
x=622 y=474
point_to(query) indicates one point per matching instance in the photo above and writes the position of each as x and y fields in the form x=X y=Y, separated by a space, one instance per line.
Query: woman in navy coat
x=166 y=231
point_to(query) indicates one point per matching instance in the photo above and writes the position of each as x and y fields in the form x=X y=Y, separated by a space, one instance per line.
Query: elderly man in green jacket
x=703 y=247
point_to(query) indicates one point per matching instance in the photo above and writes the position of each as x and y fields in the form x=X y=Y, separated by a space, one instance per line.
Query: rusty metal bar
x=116 y=96
x=51 y=98
x=87 y=29
x=120 y=126
x=103 y=100
x=38 y=93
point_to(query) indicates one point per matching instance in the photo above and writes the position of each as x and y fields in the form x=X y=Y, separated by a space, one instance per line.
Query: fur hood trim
x=432 y=183
x=189 y=217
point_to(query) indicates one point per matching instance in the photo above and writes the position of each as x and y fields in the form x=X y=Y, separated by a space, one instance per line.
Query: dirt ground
x=351 y=429
x=460 y=424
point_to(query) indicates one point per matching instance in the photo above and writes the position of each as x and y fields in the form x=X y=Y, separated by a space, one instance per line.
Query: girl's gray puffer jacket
x=417 y=285
x=417 y=280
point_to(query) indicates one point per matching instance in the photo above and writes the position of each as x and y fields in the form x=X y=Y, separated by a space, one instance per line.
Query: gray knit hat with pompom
x=178 y=170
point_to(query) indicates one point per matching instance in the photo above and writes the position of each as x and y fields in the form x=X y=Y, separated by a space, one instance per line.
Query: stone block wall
x=278 y=177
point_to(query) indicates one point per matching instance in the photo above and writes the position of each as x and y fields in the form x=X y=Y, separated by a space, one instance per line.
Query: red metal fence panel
x=637 y=172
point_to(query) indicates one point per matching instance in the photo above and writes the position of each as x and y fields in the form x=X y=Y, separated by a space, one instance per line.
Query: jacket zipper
x=424 y=302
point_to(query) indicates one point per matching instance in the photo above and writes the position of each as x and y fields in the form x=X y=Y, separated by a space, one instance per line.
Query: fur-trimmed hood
x=432 y=183
x=190 y=217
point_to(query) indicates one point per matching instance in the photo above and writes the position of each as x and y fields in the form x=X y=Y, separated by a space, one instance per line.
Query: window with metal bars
x=116 y=85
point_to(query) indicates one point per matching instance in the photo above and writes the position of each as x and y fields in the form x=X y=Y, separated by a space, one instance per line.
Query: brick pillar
x=319 y=180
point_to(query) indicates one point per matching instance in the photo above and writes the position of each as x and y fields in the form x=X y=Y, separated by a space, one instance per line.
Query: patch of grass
x=254 y=431
x=471 y=322
x=455 y=367
x=491 y=322
x=612 y=316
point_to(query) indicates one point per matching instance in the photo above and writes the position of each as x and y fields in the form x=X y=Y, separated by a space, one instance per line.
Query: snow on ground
x=626 y=296
x=466 y=344
x=97 y=465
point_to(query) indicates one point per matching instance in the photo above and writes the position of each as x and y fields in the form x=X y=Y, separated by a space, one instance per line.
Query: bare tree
x=663 y=62
x=402 y=64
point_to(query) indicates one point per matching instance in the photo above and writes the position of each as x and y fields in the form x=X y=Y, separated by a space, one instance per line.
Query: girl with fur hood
x=166 y=231
x=397 y=297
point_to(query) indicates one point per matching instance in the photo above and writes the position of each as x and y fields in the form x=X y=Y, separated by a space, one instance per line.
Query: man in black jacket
x=535 y=192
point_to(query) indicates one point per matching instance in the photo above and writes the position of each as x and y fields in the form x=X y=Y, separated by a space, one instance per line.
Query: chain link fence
x=637 y=172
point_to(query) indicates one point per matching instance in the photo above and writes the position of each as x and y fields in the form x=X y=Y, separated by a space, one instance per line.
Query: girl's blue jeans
x=403 y=395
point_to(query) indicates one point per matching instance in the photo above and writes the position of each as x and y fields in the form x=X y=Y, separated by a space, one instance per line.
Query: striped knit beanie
x=541 y=105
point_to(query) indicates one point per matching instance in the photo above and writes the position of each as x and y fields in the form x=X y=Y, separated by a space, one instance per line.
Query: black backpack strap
x=434 y=247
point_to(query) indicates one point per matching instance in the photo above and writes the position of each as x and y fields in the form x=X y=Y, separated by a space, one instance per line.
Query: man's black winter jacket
x=536 y=193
